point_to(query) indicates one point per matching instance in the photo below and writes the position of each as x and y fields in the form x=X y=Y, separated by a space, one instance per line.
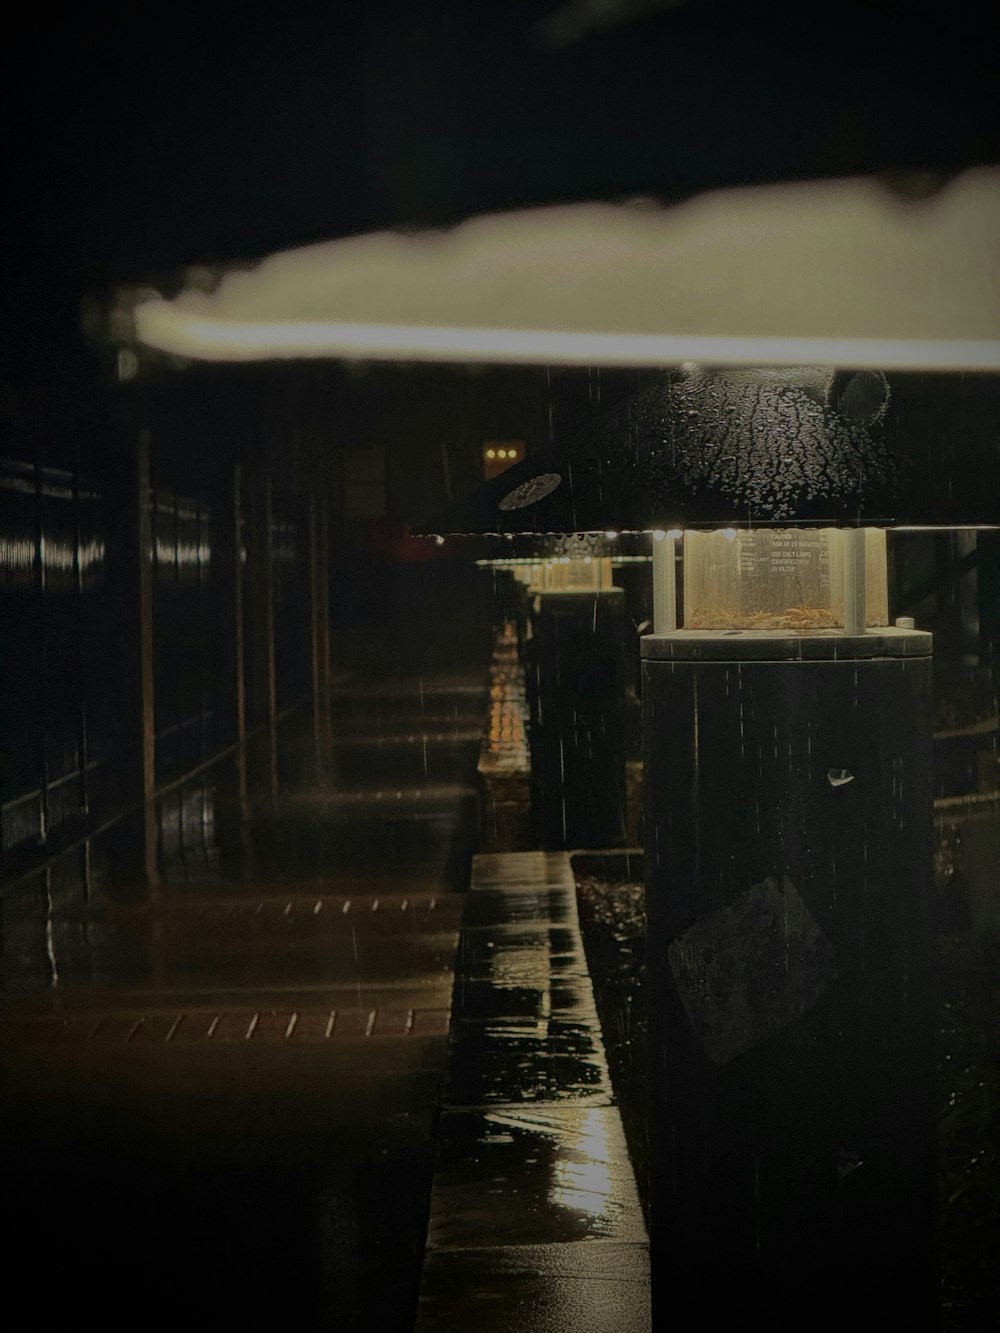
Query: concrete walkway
x=221 y=1104
x=535 y=1224
x=218 y=1103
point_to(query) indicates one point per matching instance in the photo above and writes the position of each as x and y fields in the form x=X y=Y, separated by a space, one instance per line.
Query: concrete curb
x=535 y=1221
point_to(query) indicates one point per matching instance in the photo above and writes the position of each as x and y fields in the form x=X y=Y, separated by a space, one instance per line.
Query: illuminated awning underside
x=822 y=273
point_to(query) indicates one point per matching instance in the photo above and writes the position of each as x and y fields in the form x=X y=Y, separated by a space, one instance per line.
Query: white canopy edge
x=823 y=273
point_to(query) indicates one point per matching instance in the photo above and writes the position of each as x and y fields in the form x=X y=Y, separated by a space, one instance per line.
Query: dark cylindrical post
x=147 y=693
x=320 y=629
x=314 y=626
x=269 y=645
x=578 y=733
x=788 y=850
x=239 y=637
x=323 y=622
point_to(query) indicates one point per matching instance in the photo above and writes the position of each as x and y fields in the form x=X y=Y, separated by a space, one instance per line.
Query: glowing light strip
x=510 y=562
x=159 y=326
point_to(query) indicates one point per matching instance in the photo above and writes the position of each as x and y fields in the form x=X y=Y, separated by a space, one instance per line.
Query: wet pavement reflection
x=583 y=1287
x=535 y=1219
x=230 y=1083
x=554 y=1174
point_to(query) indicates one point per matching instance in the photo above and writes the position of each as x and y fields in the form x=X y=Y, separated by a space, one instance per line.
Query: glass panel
x=777 y=578
x=567 y=575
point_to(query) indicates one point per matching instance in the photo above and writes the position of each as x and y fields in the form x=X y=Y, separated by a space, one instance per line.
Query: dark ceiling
x=141 y=138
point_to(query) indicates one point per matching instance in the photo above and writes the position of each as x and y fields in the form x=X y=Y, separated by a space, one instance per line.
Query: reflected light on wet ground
x=581 y=1177
x=160 y=1063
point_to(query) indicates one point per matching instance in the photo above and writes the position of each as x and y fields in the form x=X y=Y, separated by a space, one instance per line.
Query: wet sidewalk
x=219 y=1100
x=535 y=1223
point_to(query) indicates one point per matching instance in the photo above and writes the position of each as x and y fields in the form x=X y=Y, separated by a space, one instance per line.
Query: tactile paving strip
x=228 y=1026
x=298 y=909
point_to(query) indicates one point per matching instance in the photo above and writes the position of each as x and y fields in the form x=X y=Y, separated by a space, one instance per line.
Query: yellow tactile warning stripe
x=227 y=1026
x=273 y=906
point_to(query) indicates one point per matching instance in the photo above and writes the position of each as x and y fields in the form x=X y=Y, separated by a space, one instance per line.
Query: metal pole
x=83 y=748
x=238 y=634
x=144 y=499
x=314 y=625
x=272 y=691
x=324 y=623
x=41 y=631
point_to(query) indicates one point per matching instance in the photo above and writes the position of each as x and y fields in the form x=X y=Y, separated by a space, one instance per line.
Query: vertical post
x=82 y=746
x=314 y=627
x=146 y=679
x=988 y=585
x=664 y=583
x=272 y=689
x=758 y=1110
x=41 y=666
x=320 y=627
x=81 y=665
x=238 y=635
x=324 y=623
x=855 y=594
x=578 y=718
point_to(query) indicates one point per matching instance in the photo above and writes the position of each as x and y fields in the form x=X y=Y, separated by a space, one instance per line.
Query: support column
x=320 y=629
x=271 y=665
x=314 y=622
x=147 y=694
x=578 y=738
x=324 y=583
x=239 y=639
x=41 y=633
x=79 y=597
x=789 y=961
x=988 y=588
